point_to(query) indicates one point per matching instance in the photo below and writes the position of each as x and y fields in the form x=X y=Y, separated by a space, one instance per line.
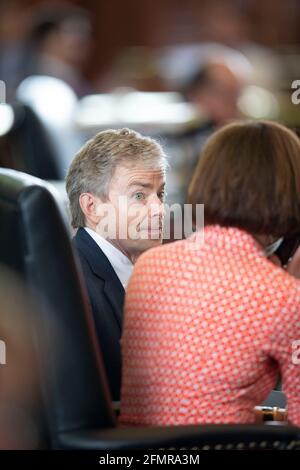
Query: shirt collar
x=120 y=263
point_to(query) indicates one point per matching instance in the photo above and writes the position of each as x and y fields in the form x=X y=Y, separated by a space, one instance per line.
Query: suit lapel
x=116 y=299
x=101 y=267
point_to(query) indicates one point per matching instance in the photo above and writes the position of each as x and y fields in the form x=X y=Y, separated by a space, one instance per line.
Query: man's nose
x=156 y=206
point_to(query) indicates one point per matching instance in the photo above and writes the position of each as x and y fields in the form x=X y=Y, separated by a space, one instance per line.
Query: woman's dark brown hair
x=248 y=176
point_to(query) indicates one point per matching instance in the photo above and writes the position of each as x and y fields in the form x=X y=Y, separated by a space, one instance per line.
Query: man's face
x=136 y=198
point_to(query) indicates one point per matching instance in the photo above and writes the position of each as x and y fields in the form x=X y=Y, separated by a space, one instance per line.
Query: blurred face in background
x=218 y=98
x=74 y=38
x=70 y=41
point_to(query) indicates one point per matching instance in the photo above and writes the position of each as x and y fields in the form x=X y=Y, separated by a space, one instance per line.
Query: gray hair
x=95 y=163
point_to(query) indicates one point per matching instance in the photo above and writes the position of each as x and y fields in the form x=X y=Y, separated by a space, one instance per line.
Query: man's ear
x=89 y=203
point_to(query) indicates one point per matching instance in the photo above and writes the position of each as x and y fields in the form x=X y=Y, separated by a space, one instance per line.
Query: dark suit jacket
x=106 y=295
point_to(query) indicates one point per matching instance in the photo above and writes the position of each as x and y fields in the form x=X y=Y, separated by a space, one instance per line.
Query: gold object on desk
x=270 y=413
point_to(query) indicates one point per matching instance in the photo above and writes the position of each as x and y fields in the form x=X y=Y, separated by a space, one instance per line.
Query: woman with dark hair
x=210 y=324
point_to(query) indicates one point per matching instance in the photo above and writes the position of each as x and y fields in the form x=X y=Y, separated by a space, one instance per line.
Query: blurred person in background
x=14 y=50
x=61 y=39
x=215 y=90
x=224 y=29
x=209 y=324
x=229 y=23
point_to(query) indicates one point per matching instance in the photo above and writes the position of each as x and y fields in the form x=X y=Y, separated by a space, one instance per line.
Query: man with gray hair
x=115 y=187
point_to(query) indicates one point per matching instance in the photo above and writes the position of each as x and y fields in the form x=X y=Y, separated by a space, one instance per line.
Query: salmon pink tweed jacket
x=208 y=327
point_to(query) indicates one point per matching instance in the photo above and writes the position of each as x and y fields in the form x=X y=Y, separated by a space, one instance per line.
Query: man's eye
x=162 y=195
x=139 y=196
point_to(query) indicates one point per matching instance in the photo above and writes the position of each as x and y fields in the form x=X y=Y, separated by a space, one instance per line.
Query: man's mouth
x=152 y=231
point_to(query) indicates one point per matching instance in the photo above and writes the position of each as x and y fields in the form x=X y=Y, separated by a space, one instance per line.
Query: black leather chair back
x=34 y=241
x=27 y=147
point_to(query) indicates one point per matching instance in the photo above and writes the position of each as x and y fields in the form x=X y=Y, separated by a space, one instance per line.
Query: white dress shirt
x=121 y=264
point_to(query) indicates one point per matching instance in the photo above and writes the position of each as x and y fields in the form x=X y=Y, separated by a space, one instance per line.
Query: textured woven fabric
x=208 y=326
